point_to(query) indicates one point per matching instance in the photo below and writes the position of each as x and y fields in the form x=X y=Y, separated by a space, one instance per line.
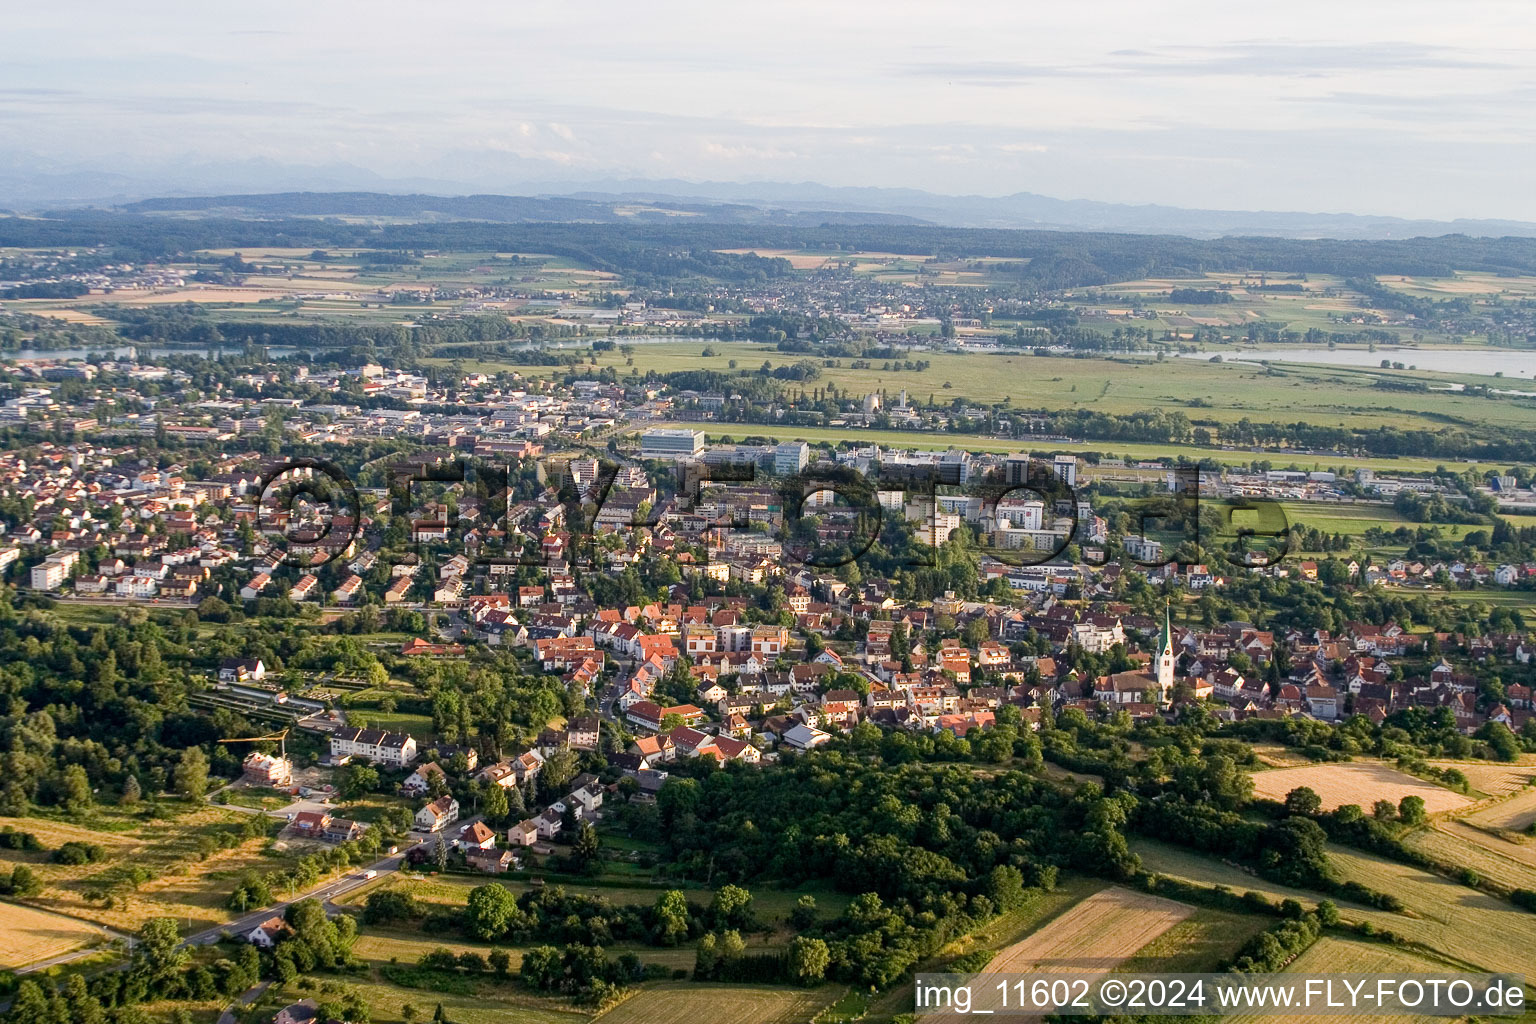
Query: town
x=571 y=653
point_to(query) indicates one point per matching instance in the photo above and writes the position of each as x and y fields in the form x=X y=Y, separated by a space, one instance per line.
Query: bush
x=76 y=852
x=10 y=839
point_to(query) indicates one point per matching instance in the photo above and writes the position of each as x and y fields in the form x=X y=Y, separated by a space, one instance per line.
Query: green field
x=489 y=1003
x=936 y=441
x=1223 y=392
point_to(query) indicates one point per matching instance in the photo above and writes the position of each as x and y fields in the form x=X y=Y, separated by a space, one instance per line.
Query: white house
x=438 y=814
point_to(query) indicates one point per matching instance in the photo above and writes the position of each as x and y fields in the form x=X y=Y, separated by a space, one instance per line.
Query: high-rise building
x=790 y=457
x=671 y=444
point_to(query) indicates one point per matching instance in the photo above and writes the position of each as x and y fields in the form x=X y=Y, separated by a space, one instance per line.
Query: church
x=1153 y=684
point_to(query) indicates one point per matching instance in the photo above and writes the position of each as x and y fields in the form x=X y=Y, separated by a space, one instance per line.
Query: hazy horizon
x=1364 y=108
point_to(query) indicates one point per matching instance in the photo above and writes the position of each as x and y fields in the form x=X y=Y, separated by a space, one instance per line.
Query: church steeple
x=1165 y=656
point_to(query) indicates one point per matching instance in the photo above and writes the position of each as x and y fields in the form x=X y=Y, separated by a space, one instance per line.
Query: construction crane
x=281 y=737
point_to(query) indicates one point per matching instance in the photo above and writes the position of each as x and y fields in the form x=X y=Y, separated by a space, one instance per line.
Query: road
x=251 y=995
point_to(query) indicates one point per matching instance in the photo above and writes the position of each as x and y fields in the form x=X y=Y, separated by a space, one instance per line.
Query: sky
x=1407 y=108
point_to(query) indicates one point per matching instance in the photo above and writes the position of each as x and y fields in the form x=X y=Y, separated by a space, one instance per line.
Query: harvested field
x=1329 y=955
x=1508 y=863
x=1493 y=779
x=687 y=1002
x=1355 y=782
x=1443 y=915
x=1096 y=935
x=1446 y=916
x=32 y=935
x=1515 y=814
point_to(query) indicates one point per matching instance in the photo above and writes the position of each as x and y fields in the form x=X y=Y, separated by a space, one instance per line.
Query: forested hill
x=1056 y=259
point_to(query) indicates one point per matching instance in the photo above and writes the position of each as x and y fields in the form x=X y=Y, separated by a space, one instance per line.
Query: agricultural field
x=1224 y=392
x=1278 y=755
x=1201 y=942
x=999 y=933
x=1448 y=917
x=1329 y=955
x=1515 y=814
x=689 y=1002
x=32 y=935
x=1355 y=782
x=1097 y=934
x=486 y=1002
x=1509 y=863
x=1494 y=778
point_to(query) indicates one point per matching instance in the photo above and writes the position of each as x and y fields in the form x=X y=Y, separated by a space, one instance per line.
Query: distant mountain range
x=329 y=191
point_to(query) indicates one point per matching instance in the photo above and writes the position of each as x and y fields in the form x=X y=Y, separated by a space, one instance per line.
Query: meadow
x=942 y=441
x=1222 y=392
x=184 y=883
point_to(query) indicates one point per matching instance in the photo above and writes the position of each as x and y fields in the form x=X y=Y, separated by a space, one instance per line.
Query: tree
x=440 y=853
x=386 y=905
x=490 y=911
x=1411 y=810
x=495 y=805
x=158 y=954
x=500 y=961
x=559 y=768
x=132 y=793
x=191 y=776
x=671 y=918
x=804 y=913
x=731 y=907
x=1383 y=810
x=808 y=960
x=1304 y=801
x=24 y=882
x=586 y=851
x=705 y=958
x=77 y=790
x=357 y=780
